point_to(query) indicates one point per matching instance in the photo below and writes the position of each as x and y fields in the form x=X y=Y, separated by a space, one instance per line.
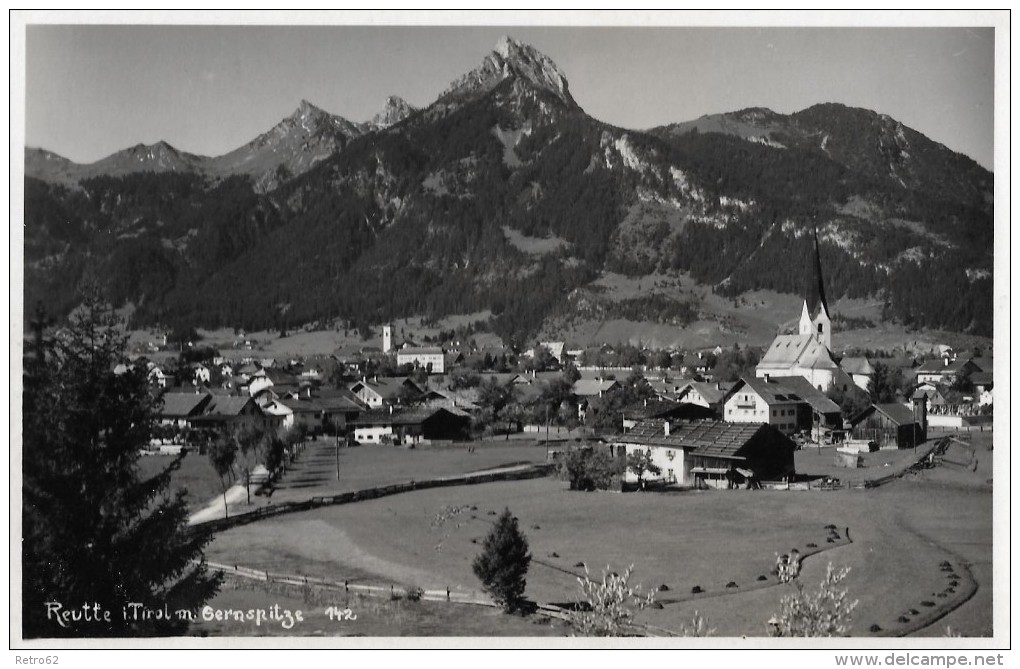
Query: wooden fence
x=391 y=591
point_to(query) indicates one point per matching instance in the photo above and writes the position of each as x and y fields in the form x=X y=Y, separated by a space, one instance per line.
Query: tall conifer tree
x=94 y=532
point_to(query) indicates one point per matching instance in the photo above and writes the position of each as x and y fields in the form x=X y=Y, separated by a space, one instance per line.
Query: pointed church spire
x=816 y=287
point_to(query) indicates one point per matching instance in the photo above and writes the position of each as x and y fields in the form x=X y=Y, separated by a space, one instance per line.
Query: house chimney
x=665 y=428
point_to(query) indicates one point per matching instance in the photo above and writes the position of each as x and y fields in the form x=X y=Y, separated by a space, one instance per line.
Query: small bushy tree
x=827 y=612
x=608 y=605
x=503 y=563
x=640 y=462
x=252 y=444
x=222 y=455
x=590 y=469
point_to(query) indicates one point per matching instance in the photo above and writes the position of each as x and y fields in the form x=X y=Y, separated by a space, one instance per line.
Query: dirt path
x=236 y=495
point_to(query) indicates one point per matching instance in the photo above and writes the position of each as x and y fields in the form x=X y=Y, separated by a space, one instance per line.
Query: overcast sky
x=93 y=90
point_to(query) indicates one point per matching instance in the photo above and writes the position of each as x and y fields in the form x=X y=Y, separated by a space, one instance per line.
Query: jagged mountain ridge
x=414 y=220
x=288 y=149
x=871 y=144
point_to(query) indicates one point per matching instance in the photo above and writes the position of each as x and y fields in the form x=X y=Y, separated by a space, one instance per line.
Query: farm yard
x=901 y=535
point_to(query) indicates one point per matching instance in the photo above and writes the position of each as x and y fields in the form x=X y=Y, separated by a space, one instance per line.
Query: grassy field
x=901 y=533
x=196 y=475
x=314 y=473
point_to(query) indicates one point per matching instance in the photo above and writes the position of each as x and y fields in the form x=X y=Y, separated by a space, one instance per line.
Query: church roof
x=789 y=351
x=856 y=366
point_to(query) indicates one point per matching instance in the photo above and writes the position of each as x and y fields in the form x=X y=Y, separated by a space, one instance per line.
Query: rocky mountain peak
x=394 y=111
x=509 y=59
x=307 y=111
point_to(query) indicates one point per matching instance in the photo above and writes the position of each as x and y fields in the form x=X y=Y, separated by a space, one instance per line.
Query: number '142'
x=336 y=613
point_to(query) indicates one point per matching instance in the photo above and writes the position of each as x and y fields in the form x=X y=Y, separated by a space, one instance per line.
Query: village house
x=931 y=393
x=430 y=358
x=462 y=399
x=860 y=370
x=656 y=409
x=379 y=391
x=946 y=371
x=313 y=373
x=826 y=416
x=200 y=374
x=157 y=377
x=555 y=349
x=179 y=409
x=695 y=364
x=409 y=426
x=705 y=394
x=280 y=414
x=588 y=392
x=892 y=425
x=593 y=387
x=339 y=408
x=767 y=401
x=305 y=413
x=982 y=387
x=710 y=454
x=224 y=412
x=668 y=389
x=452 y=360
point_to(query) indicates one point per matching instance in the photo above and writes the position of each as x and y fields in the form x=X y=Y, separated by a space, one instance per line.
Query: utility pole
x=546 y=431
x=338 y=456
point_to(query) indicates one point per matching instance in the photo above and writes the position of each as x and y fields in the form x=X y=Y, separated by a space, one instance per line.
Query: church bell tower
x=814 y=315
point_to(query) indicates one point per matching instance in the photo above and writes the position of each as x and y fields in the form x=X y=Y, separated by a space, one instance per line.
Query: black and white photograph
x=460 y=329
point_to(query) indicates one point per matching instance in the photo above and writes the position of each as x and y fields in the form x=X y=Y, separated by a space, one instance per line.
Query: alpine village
x=493 y=367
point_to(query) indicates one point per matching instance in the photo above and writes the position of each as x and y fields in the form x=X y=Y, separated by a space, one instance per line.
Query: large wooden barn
x=711 y=454
x=892 y=425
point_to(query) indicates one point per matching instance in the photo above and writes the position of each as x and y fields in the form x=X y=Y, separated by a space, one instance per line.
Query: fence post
x=346 y=589
x=447 y=593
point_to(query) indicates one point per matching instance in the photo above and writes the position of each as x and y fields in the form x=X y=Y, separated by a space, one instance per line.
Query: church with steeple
x=809 y=352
